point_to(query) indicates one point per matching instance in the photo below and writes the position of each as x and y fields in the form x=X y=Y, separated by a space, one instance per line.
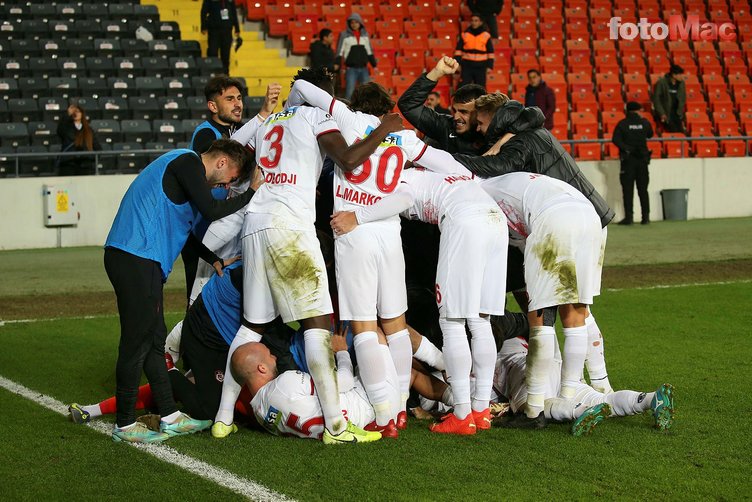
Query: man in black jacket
x=322 y=53
x=528 y=147
x=631 y=136
x=454 y=133
x=219 y=18
x=488 y=10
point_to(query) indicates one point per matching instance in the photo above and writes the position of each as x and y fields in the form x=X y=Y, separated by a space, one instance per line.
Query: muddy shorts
x=563 y=256
x=284 y=274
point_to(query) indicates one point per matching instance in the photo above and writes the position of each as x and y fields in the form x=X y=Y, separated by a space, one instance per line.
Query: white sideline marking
x=74 y=318
x=237 y=484
x=685 y=285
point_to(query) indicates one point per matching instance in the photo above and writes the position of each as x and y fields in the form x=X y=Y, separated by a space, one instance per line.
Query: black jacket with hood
x=438 y=127
x=532 y=149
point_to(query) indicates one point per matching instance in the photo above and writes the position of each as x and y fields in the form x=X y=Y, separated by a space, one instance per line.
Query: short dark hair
x=324 y=33
x=533 y=70
x=219 y=84
x=435 y=93
x=371 y=98
x=235 y=151
x=468 y=93
x=320 y=77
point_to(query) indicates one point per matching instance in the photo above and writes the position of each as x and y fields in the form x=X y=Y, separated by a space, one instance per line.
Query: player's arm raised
x=350 y=157
x=306 y=92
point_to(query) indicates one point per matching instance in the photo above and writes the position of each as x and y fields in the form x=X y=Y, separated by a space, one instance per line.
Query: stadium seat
x=24 y=110
x=705 y=148
x=93 y=86
x=14 y=134
x=9 y=88
x=675 y=149
x=156 y=145
x=4 y=114
x=151 y=87
x=143 y=108
x=173 y=108
x=130 y=162
x=197 y=107
x=89 y=104
x=35 y=166
x=138 y=131
x=128 y=67
x=178 y=87
x=114 y=108
x=168 y=131
x=121 y=86
x=53 y=109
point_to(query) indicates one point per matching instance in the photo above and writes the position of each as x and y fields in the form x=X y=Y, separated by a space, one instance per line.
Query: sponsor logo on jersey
x=390 y=140
x=219 y=375
x=283 y=115
x=272 y=417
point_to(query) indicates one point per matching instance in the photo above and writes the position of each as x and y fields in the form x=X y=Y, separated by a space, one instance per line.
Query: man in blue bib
x=152 y=225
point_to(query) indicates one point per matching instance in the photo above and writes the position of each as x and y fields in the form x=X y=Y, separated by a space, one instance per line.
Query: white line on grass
x=685 y=285
x=237 y=484
x=73 y=318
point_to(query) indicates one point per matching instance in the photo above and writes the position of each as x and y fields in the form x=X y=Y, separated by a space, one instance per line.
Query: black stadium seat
x=69 y=10
x=114 y=108
x=198 y=83
x=60 y=29
x=44 y=67
x=42 y=10
x=209 y=66
x=99 y=67
x=132 y=46
x=188 y=48
x=93 y=86
x=44 y=134
x=7 y=165
x=33 y=87
x=108 y=47
x=72 y=67
x=168 y=131
x=120 y=10
x=146 y=13
x=189 y=125
x=156 y=66
x=79 y=47
x=252 y=105
x=107 y=131
x=128 y=67
x=121 y=86
x=90 y=106
x=197 y=107
x=177 y=86
x=156 y=145
x=24 y=110
x=88 y=29
x=95 y=10
x=138 y=131
x=4 y=113
x=14 y=68
x=9 y=88
x=173 y=108
x=162 y=48
x=130 y=162
x=143 y=108
x=52 y=109
x=183 y=66
x=14 y=134
x=35 y=166
x=24 y=48
x=150 y=87
x=53 y=48
x=64 y=87
x=167 y=30
x=35 y=29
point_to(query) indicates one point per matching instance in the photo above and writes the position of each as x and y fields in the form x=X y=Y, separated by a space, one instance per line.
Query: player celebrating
x=470 y=278
x=369 y=261
x=284 y=271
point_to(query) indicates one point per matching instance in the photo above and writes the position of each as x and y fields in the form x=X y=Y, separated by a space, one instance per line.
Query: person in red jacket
x=539 y=94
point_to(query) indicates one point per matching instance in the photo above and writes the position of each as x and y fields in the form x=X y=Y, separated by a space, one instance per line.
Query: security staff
x=475 y=53
x=218 y=19
x=631 y=136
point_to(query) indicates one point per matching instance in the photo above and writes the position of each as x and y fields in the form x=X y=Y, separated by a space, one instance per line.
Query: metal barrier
x=114 y=153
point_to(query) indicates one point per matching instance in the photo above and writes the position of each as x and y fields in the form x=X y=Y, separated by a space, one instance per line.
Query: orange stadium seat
x=705 y=148
x=675 y=149
x=734 y=148
x=255 y=10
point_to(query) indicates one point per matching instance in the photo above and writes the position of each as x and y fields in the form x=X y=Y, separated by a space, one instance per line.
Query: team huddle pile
x=506 y=224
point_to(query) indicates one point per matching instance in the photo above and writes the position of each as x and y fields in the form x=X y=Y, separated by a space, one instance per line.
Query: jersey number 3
x=381 y=170
x=270 y=161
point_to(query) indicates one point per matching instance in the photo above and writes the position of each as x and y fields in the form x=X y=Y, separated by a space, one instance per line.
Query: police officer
x=631 y=136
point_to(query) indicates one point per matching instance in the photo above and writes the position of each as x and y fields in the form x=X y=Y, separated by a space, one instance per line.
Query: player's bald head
x=251 y=361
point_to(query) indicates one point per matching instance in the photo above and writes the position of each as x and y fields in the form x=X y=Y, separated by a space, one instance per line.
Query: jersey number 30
x=381 y=170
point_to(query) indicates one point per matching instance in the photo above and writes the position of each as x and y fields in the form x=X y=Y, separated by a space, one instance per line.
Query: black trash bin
x=675 y=203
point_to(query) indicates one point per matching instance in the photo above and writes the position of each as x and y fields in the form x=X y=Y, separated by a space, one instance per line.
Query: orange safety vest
x=474 y=47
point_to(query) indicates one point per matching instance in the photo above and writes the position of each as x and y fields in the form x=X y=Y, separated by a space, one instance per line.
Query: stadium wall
x=718 y=187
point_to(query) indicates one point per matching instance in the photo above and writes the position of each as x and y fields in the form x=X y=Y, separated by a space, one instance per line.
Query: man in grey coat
x=670 y=99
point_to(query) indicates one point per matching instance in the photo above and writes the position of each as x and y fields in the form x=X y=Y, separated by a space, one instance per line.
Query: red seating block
x=705 y=148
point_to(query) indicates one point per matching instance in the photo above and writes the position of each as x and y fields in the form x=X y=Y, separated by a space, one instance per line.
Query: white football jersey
x=439 y=195
x=289 y=406
x=288 y=154
x=380 y=174
x=523 y=196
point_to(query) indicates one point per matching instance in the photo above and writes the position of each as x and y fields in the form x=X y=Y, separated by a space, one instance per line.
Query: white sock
x=372 y=369
x=172 y=342
x=458 y=362
x=573 y=359
x=628 y=402
x=539 y=362
x=125 y=427
x=484 y=360
x=93 y=410
x=401 y=350
x=230 y=387
x=560 y=409
x=320 y=360
x=595 y=360
x=393 y=383
x=172 y=417
x=446 y=397
x=430 y=354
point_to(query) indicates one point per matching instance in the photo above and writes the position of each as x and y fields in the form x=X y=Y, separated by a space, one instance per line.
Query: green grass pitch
x=693 y=336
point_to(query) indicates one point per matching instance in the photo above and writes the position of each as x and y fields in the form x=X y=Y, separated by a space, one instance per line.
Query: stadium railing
x=7 y=159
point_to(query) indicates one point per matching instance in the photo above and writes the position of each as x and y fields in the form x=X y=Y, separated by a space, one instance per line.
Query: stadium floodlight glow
x=676 y=29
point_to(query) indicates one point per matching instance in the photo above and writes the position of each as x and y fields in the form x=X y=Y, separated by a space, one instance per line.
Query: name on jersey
x=281 y=178
x=455 y=178
x=356 y=196
x=390 y=140
x=283 y=115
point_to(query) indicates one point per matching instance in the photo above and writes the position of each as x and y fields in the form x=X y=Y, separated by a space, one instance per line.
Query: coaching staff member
x=631 y=135
x=151 y=226
x=218 y=19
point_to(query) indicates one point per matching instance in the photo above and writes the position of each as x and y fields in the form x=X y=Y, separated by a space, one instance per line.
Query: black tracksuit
x=631 y=136
x=218 y=19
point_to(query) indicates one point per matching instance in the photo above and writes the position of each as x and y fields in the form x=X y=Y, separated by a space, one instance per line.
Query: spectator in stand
x=488 y=11
x=354 y=51
x=475 y=53
x=539 y=94
x=631 y=136
x=77 y=136
x=322 y=53
x=669 y=100
x=433 y=101
x=218 y=19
